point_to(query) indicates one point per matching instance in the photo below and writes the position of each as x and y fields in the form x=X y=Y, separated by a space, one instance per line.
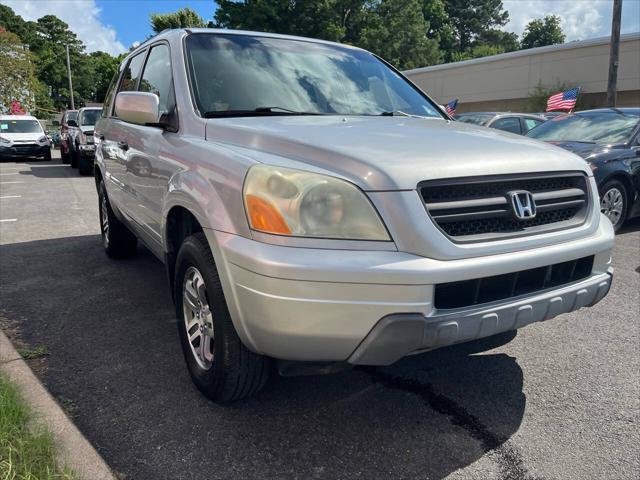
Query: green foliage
x=470 y=19
x=183 y=18
x=537 y=101
x=541 y=32
x=17 y=74
x=26 y=450
x=33 y=353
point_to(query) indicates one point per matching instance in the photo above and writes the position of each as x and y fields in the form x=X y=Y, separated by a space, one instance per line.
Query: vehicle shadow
x=115 y=362
x=630 y=226
x=52 y=171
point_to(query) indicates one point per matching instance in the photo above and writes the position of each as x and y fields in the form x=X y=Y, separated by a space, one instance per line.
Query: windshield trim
x=188 y=67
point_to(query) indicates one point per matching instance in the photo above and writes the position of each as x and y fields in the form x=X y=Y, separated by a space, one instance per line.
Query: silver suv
x=315 y=209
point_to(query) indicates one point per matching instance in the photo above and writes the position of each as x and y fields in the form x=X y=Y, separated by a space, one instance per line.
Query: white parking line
x=7 y=183
x=10 y=196
x=8 y=220
x=13 y=173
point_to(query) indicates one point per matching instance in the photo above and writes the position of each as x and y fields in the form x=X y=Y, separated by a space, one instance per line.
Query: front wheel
x=85 y=166
x=73 y=156
x=614 y=203
x=117 y=240
x=47 y=156
x=220 y=365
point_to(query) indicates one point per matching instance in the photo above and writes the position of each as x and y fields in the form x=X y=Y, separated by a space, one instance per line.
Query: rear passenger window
x=108 y=99
x=530 y=123
x=157 y=77
x=508 y=124
x=132 y=73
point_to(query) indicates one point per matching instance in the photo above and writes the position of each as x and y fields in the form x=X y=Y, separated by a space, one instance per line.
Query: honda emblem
x=522 y=204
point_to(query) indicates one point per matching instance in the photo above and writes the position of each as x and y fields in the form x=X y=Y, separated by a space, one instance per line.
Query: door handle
x=123 y=145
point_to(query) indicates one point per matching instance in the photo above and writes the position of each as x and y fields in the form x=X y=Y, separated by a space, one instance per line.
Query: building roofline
x=523 y=53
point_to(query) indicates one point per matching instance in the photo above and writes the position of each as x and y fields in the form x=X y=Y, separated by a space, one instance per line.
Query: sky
x=114 y=25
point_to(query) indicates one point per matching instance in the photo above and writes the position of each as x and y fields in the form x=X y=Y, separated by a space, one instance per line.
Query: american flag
x=563 y=100
x=451 y=107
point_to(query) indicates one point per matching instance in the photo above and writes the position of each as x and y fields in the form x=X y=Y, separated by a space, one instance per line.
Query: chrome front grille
x=478 y=208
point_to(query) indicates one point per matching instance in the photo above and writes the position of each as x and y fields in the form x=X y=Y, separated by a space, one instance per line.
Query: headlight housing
x=291 y=202
x=43 y=140
x=5 y=141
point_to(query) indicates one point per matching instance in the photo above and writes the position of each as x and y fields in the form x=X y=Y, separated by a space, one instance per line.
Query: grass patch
x=26 y=450
x=32 y=353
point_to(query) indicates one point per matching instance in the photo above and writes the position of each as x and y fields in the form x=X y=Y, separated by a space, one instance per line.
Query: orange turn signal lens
x=264 y=216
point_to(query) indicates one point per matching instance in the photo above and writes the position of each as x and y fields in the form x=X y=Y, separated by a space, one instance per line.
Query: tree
x=17 y=78
x=396 y=30
x=104 y=69
x=472 y=18
x=183 y=18
x=541 y=32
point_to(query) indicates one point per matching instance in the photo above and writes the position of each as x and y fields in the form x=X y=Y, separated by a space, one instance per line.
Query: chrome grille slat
x=477 y=209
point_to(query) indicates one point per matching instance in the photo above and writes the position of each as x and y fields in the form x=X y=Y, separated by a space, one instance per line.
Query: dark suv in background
x=64 y=134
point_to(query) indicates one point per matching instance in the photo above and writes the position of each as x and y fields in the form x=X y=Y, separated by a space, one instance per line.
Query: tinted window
x=89 y=117
x=132 y=73
x=106 y=109
x=241 y=73
x=508 y=124
x=605 y=128
x=530 y=123
x=157 y=77
x=70 y=116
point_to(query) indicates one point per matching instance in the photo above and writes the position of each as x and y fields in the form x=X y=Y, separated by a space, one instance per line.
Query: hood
x=23 y=137
x=387 y=153
x=87 y=128
x=585 y=149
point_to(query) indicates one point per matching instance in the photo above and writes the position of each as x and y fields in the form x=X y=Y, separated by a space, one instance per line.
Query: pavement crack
x=505 y=455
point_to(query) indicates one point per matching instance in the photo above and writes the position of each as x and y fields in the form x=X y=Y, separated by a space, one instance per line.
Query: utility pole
x=612 y=83
x=73 y=106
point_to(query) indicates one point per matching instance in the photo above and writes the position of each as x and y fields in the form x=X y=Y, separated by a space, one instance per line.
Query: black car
x=519 y=123
x=609 y=140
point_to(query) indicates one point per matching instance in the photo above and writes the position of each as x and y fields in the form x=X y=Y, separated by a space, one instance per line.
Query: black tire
x=47 y=156
x=117 y=240
x=85 y=167
x=608 y=191
x=235 y=372
x=73 y=155
x=485 y=344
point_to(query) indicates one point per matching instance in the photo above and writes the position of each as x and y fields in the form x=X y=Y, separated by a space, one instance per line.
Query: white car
x=22 y=136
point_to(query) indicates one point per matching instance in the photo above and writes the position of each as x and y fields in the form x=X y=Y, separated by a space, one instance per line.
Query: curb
x=75 y=450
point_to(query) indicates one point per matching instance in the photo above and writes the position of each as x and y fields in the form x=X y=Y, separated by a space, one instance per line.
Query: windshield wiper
x=259 y=111
x=400 y=113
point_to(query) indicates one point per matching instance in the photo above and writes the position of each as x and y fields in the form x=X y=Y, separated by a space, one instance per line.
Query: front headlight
x=5 y=141
x=42 y=140
x=297 y=203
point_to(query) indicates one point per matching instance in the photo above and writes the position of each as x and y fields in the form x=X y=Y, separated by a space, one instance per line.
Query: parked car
x=65 y=150
x=550 y=115
x=22 y=136
x=316 y=210
x=519 y=123
x=609 y=139
x=81 y=140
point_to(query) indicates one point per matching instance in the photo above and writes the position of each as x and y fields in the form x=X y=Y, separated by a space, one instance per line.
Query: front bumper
x=87 y=151
x=373 y=307
x=26 y=150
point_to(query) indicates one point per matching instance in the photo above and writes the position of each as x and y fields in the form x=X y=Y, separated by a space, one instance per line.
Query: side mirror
x=72 y=123
x=138 y=107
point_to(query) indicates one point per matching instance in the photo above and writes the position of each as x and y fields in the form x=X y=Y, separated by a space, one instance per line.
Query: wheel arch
x=622 y=177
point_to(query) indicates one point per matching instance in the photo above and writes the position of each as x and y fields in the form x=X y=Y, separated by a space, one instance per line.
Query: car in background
x=550 y=115
x=82 y=148
x=69 y=115
x=22 y=136
x=519 y=123
x=609 y=140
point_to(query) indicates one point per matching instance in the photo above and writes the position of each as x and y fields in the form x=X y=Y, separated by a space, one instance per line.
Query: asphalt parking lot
x=562 y=401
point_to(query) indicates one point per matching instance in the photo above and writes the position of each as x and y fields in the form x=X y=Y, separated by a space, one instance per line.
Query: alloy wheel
x=612 y=205
x=198 y=319
x=104 y=220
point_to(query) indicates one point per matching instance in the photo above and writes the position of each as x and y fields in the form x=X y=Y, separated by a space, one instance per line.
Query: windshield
x=237 y=73
x=475 y=119
x=90 y=117
x=20 y=126
x=605 y=128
